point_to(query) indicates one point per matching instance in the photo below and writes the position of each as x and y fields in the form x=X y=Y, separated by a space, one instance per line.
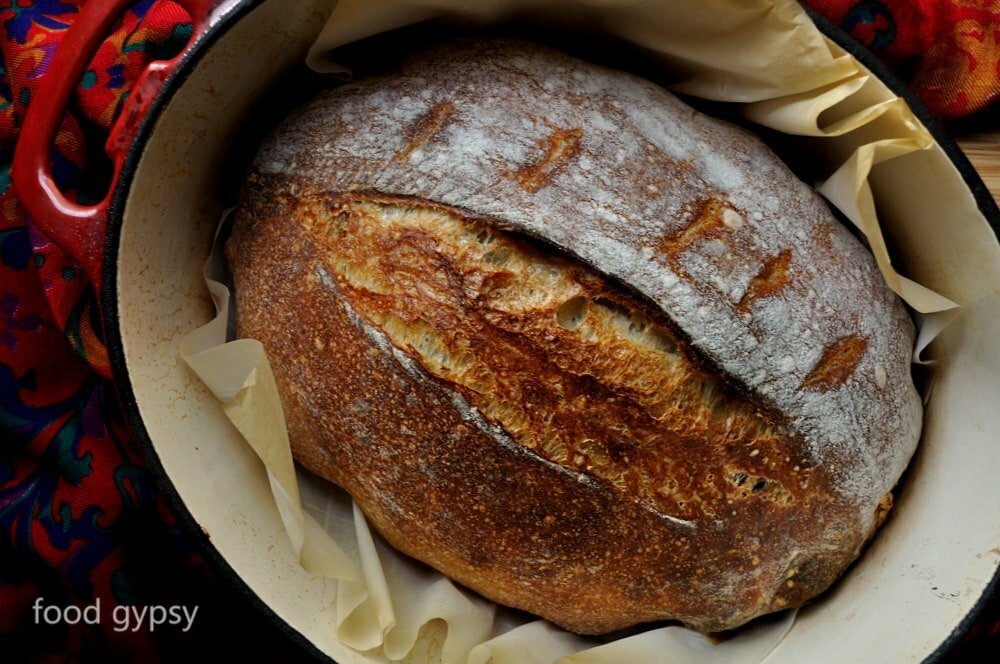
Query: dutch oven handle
x=80 y=229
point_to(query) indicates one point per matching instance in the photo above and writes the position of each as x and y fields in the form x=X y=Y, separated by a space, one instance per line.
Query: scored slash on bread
x=585 y=351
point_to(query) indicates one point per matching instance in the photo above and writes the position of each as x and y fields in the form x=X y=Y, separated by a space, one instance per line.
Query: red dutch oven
x=175 y=148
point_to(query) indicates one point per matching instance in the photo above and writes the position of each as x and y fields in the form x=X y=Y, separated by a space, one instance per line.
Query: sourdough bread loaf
x=584 y=350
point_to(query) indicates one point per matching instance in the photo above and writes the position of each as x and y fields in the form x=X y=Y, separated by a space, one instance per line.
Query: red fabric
x=80 y=518
x=947 y=50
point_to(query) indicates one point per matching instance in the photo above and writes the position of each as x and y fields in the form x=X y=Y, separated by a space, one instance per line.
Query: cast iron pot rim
x=116 y=351
x=109 y=301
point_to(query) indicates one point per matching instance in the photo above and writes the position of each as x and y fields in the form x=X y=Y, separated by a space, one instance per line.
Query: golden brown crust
x=560 y=538
x=567 y=364
x=591 y=355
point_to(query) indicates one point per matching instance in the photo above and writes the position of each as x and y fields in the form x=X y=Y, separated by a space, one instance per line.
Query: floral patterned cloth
x=948 y=51
x=80 y=519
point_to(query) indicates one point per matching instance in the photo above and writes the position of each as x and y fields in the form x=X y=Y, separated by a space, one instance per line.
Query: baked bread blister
x=582 y=349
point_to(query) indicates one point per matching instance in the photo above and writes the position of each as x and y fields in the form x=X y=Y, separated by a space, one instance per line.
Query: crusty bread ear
x=588 y=353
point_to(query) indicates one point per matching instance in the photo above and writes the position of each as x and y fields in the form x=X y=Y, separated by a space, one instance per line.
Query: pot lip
x=109 y=302
x=987 y=206
x=119 y=368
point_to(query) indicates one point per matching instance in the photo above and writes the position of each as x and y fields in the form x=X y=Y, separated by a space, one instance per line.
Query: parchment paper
x=762 y=54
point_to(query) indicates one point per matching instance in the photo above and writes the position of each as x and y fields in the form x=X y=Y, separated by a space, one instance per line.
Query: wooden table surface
x=983 y=151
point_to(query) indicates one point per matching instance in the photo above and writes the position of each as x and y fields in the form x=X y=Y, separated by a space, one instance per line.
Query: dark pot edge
x=109 y=301
x=109 y=307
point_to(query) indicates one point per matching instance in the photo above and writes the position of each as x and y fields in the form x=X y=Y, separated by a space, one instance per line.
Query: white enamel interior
x=914 y=585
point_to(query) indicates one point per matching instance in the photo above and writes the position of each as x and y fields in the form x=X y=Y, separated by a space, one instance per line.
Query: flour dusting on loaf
x=617 y=363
